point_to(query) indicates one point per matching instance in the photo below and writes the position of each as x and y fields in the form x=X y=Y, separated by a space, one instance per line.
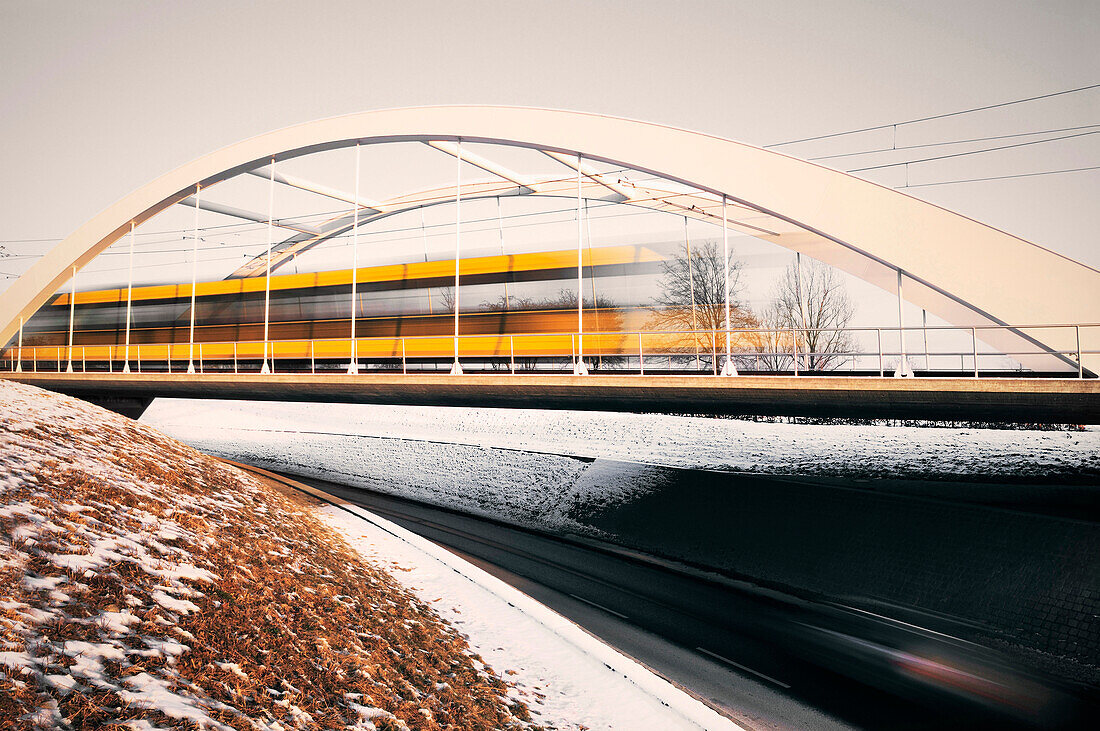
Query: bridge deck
x=1030 y=400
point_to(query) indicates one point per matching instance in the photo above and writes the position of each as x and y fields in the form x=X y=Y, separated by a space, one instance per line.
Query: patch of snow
x=45 y=717
x=154 y=693
x=64 y=683
x=233 y=668
x=20 y=659
x=117 y=622
x=172 y=604
x=88 y=659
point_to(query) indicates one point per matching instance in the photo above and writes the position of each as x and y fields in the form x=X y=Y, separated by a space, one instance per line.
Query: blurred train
x=401 y=309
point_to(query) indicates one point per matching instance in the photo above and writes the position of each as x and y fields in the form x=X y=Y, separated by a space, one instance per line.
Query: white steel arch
x=964 y=271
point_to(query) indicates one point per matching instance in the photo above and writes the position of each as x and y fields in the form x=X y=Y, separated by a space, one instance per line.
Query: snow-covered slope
x=145 y=585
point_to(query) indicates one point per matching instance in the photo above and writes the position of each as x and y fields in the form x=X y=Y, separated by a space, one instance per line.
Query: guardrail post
x=34 y=361
x=312 y=361
x=139 y=358
x=511 y=348
x=234 y=357
x=404 y=365
x=200 y=359
x=83 y=359
x=881 y=367
x=974 y=348
x=641 y=358
x=59 y=359
x=1080 y=363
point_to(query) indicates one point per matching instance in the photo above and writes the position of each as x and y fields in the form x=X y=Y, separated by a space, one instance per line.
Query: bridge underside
x=1028 y=400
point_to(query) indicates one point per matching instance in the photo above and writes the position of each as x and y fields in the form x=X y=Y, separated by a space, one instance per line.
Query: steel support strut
x=456 y=368
x=903 y=370
x=353 y=363
x=129 y=298
x=728 y=369
x=72 y=316
x=267 y=279
x=194 y=281
x=579 y=368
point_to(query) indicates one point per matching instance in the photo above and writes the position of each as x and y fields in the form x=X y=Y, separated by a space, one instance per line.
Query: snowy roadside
x=566 y=677
x=672 y=441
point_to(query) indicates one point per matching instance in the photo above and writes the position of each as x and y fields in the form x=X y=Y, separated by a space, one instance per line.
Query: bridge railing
x=1057 y=350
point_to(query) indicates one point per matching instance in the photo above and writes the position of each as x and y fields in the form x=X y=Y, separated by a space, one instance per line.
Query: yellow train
x=310 y=315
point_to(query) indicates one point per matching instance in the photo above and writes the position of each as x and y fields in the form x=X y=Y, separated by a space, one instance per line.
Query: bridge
x=564 y=303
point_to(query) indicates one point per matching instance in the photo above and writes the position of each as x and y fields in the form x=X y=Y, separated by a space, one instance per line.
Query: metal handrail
x=778 y=340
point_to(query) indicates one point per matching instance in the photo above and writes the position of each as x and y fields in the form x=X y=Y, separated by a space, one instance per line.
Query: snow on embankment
x=144 y=583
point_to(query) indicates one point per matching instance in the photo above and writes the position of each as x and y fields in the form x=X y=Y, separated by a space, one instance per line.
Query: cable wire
x=934 y=116
x=971 y=152
x=954 y=142
x=998 y=177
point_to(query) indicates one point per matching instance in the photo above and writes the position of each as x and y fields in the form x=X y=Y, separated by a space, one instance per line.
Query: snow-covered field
x=550 y=469
x=674 y=441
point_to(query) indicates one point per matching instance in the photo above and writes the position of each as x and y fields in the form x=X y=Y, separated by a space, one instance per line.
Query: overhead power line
x=955 y=142
x=934 y=116
x=971 y=152
x=998 y=177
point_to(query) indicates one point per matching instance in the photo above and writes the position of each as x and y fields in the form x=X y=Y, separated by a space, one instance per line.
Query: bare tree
x=693 y=298
x=447 y=294
x=773 y=344
x=809 y=308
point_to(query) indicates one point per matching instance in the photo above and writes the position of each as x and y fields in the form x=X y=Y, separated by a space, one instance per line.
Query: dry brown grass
x=313 y=629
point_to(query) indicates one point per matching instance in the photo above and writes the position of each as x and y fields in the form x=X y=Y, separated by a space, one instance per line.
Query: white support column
x=353 y=364
x=691 y=289
x=903 y=370
x=19 y=365
x=194 y=282
x=456 y=368
x=801 y=309
x=424 y=243
x=924 y=328
x=500 y=233
x=129 y=298
x=267 y=280
x=727 y=369
x=579 y=368
x=72 y=316
x=592 y=279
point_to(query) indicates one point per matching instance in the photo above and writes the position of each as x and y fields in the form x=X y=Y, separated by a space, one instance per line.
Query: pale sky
x=100 y=98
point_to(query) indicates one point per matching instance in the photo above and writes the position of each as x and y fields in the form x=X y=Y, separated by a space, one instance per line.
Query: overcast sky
x=99 y=98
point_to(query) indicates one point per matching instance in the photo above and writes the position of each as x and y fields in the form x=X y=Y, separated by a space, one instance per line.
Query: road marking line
x=599 y=606
x=742 y=667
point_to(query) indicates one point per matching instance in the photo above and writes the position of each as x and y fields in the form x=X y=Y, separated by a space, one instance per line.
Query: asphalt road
x=765 y=660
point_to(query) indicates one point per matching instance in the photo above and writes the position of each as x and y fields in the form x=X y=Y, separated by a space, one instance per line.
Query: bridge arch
x=957 y=268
